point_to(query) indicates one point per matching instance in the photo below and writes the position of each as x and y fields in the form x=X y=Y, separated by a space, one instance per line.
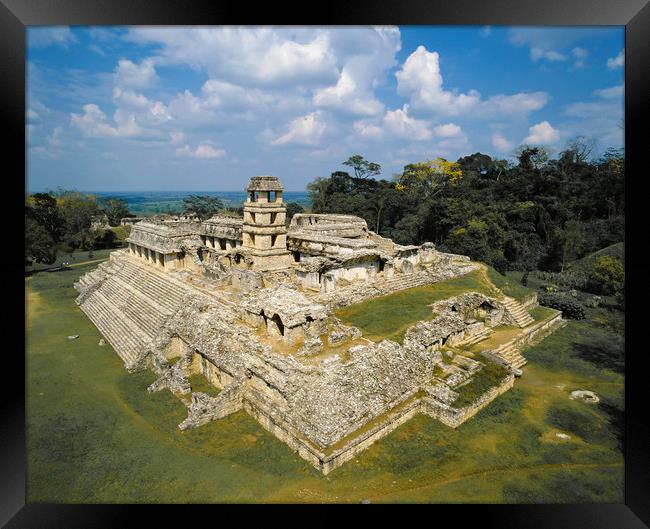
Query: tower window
x=272 y=196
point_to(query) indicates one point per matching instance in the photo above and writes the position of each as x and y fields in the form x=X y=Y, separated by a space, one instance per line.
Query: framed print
x=380 y=255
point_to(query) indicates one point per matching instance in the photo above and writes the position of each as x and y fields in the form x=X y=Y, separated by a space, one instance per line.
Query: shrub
x=573 y=280
x=607 y=275
x=570 y=307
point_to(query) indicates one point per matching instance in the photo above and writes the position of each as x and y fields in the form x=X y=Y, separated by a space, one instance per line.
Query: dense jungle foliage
x=535 y=214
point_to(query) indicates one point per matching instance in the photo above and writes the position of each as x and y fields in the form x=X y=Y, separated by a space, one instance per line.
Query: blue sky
x=205 y=108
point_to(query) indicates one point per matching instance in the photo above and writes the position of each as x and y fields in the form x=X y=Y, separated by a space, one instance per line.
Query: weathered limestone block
x=173 y=379
x=205 y=408
x=441 y=392
x=457 y=378
x=312 y=346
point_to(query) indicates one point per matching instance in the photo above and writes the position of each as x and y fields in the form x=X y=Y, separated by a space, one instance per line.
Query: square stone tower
x=264 y=233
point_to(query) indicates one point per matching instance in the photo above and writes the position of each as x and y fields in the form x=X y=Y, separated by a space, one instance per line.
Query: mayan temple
x=250 y=303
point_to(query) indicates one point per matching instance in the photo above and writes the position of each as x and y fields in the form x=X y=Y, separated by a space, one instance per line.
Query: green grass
x=586 y=263
x=388 y=317
x=540 y=313
x=73 y=258
x=95 y=435
x=200 y=384
x=510 y=284
x=486 y=378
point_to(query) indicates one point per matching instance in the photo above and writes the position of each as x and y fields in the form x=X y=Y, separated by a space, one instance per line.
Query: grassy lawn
x=72 y=259
x=488 y=377
x=388 y=317
x=94 y=434
x=200 y=384
x=510 y=284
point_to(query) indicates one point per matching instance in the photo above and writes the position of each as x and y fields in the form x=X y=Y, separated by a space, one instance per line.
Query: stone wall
x=454 y=417
x=529 y=301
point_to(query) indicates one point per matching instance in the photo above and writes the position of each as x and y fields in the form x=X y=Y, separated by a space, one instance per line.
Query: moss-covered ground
x=94 y=434
x=388 y=317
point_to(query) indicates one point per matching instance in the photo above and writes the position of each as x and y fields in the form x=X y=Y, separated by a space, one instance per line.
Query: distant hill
x=585 y=264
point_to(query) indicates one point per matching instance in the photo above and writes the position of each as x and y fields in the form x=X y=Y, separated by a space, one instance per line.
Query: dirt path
x=88 y=262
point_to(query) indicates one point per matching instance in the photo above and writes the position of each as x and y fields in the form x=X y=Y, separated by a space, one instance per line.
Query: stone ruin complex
x=250 y=304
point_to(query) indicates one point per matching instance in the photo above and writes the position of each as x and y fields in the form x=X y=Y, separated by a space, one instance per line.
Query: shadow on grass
x=601 y=354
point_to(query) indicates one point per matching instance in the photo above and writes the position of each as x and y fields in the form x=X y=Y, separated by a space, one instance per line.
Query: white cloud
x=500 y=143
x=368 y=130
x=98 y=50
x=203 y=150
x=537 y=54
x=521 y=103
x=47 y=36
x=304 y=130
x=611 y=92
x=259 y=56
x=448 y=130
x=287 y=69
x=32 y=115
x=101 y=34
x=542 y=134
x=616 y=62
x=399 y=124
x=54 y=139
x=421 y=80
x=601 y=119
x=93 y=123
x=345 y=95
x=579 y=56
x=129 y=74
x=550 y=44
x=188 y=107
x=217 y=93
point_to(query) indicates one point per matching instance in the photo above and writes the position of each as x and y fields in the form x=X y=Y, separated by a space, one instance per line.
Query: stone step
x=511 y=355
x=477 y=338
x=521 y=316
x=147 y=318
x=114 y=328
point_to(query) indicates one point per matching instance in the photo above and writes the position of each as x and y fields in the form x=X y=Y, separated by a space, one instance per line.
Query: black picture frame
x=15 y=15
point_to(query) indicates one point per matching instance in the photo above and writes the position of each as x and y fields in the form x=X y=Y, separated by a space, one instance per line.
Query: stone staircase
x=404 y=281
x=510 y=354
x=518 y=312
x=129 y=304
x=478 y=337
x=127 y=339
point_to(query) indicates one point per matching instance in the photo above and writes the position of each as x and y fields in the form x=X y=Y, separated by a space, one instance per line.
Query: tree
x=43 y=208
x=608 y=275
x=115 y=209
x=100 y=238
x=77 y=209
x=203 y=206
x=532 y=157
x=431 y=176
x=39 y=245
x=362 y=167
x=580 y=149
x=292 y=209
x=573 y=238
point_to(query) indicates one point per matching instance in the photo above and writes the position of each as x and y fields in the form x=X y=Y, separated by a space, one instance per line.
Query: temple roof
x=264 y=183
